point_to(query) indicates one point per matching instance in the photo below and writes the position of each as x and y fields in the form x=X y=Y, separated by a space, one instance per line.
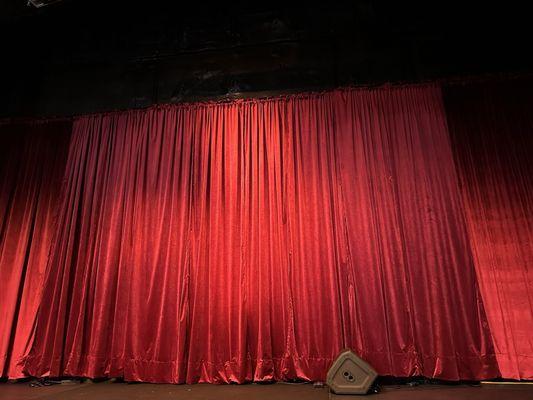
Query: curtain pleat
x=32 y=163
x=491 y=127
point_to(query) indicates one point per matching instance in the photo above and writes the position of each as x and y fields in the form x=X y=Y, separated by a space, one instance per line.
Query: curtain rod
x=272 y=94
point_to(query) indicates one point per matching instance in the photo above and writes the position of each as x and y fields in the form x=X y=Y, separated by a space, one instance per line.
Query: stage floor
x=279 y=391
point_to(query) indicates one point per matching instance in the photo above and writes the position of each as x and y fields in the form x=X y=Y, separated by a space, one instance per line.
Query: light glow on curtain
x=32 y=165
x=492 y=130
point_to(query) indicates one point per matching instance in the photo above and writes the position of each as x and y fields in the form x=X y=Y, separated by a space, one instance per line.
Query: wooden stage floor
x=278 y=391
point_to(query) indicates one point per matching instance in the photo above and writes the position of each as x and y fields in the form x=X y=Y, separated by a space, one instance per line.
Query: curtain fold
x=254 y=240
x=491 y=126
x=32 y=162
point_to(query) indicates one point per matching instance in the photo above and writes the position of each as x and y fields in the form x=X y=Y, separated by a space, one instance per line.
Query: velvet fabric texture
x=253 y=240
x=32 y=165
x=491 y=125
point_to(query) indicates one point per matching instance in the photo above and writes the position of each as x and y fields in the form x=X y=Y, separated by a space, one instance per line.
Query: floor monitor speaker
x=350 y=375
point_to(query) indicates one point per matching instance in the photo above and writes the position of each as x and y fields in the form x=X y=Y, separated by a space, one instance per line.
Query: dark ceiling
x=81 y=56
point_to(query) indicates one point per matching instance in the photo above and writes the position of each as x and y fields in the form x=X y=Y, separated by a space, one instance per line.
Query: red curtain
x=254 y=240
x=32 y=164
x=492 y=130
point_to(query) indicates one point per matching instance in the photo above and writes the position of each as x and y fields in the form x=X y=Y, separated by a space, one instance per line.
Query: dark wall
x=85 y=56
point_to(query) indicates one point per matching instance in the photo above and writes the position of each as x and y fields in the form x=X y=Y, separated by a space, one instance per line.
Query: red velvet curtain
x=491 y=125
x=32 y=163
x=253 y=240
